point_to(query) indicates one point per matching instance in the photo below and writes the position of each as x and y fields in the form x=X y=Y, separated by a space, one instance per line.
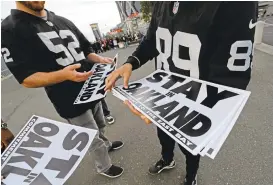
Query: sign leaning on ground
x=93 y=88
x=45 y=152
x=197 y=114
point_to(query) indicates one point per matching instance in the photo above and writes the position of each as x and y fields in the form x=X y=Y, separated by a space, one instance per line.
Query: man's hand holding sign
x=136 y=112
x=41 y=79
x=71 y=74
x=106 y=60
x=93 y=88
x=125 y=72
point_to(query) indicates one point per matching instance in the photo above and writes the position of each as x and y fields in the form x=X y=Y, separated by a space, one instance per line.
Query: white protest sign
x=189 y=110
x=93 y=88
x=215 y=145
x=45 y=152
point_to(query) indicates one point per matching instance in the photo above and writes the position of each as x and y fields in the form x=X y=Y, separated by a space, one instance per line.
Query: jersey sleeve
x=232 y=39
x=17 y=55
x=147 y=48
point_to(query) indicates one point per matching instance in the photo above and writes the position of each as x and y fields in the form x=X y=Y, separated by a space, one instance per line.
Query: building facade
x=96 y=31
x=130 y=15
x=128 y=8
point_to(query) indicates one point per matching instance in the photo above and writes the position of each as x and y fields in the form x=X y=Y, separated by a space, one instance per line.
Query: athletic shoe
x=113 y=172
x=194 y=182
x=116 y=145
x=160 y=166
x=110 y=119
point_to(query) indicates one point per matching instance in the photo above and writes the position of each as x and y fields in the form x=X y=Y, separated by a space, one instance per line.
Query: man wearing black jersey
x=42 y=49
x=212 y=41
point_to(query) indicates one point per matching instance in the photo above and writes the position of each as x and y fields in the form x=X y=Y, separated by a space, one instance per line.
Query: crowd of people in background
x=113 y=43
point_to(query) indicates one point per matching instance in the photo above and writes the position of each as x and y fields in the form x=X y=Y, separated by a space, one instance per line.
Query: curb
x=264 y=48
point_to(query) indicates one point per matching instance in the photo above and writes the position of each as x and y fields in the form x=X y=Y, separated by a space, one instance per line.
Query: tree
x=146 y=10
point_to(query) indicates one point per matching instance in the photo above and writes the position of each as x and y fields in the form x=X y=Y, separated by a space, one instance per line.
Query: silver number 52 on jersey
x=46 y=38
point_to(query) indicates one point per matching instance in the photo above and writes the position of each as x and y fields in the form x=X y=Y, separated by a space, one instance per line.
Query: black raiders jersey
x=30 y=44
x=212 y=41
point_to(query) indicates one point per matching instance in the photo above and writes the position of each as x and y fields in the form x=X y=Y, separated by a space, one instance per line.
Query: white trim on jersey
x=136 y=59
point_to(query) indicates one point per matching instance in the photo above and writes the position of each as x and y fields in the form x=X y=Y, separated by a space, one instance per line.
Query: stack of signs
x=93 y=88
x=199 y=115
x=45 y=152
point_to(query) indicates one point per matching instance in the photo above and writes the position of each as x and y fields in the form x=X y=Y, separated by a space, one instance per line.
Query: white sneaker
x=110 y=119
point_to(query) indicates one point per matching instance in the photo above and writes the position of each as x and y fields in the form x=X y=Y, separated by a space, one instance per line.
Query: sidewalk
x=246 y=157
x=268 y=49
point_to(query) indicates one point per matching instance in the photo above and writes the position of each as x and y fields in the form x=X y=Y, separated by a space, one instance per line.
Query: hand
x=124 y=71
x=6 y=138
x=105 y=60
x=136 y=112
x=71 y=74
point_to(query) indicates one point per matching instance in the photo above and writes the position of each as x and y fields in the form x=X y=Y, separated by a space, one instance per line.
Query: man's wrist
x=62 y=75
x=93 y=57
x=134 y=61
x=100 y=59
x=128 y=65
x=96 y=58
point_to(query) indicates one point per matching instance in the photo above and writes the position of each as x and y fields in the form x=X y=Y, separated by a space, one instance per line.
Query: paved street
x=268 y=32
x=245 y=159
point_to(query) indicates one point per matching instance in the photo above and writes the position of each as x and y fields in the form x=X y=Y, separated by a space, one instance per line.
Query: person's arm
x=20 y=62
x=144 y=52
x=93 y=57
x=147 y=48
x=41 y=79
x=231 y=62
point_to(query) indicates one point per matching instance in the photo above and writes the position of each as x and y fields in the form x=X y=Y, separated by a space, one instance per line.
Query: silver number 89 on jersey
x=192 y=42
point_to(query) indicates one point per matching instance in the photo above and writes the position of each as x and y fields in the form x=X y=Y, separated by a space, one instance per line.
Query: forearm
x=147 y=48
x=146 y=51
x=41 y=79
x=93 y=57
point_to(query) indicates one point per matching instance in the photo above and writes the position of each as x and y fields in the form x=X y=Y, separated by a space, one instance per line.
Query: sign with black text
x=93 y=88
x=191 y=111
x=45 y=152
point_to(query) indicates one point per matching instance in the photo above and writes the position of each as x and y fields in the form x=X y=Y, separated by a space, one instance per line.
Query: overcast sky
x=81 y=12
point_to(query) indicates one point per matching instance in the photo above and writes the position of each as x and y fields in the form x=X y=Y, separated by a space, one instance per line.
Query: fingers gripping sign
x=136 y=112
x=124 y=71
x=106 y=60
